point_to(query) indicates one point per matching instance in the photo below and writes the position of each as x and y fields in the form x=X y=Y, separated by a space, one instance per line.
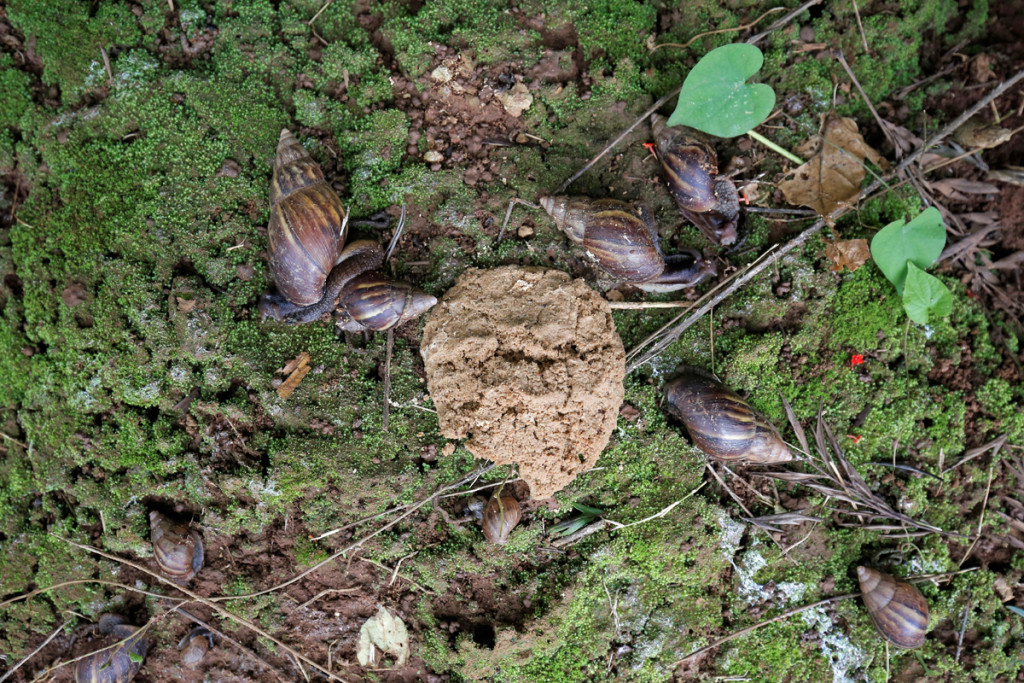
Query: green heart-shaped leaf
x=925 y=297
x=920 y=241
x=716 y=97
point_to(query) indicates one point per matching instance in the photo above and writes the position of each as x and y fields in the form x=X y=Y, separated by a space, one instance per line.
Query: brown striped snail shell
x=690 y=163
x=720 y=422
x=195 y=645
x=117 y=664
x=312 y=266
x=500 y=516
x=706 y=199
x=178 y=549
x=897 y=609
x=623 y=239
x=307 y=227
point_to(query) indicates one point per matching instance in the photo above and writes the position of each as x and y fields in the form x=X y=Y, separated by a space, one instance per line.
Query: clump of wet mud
x=525 y=364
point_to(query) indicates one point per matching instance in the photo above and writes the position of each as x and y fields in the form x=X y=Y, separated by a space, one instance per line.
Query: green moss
x=70 y=39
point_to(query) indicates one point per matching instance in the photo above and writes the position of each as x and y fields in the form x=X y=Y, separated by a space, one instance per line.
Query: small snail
x=721 y=423
x=117 y=664
x=500 y=516
x=898 y=609
x=706 y=199
x=195 y=645
x=312 y=266
x=623 y=239
x=178 y=550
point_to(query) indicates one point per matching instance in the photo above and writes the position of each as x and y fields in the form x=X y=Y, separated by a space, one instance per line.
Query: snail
x=721 y=423
x=311 y=264
x=706 y=199
x=623 y=239
x=898 y=609
x=500 y=516
x=195 y=645
x=117 y=664
x=178 y=550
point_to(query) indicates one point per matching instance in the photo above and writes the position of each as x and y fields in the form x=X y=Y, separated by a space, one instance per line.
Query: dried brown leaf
x=833 y=176
x=959 y=188
x=849 y=254
x=981 y=134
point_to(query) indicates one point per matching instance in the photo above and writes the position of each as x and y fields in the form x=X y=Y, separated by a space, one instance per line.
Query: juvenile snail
x=706 y=199
x=195 y=645
x=178 y=550
x=721 y=423
x=117 y=664
x=898 y=609
x=312 y=266
x=500 y=516
x=623 y=239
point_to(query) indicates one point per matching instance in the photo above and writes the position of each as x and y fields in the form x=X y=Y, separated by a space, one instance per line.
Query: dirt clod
x=526 y=364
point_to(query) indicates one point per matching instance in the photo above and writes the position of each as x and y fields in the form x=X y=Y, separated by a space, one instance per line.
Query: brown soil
x=526 y=364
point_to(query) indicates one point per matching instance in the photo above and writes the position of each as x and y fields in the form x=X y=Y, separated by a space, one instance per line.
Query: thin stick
x=661 y=513
x=841 y=58
x=106 y=63
x=743 y=27
x=863 y=36
x=744 y=631
x=55 y=586
x=981 y=520
x=640 y=305
x=411 y=509
x=782 y=22
x=206 y=601
x=318 y=13
x=243 y=648
x=960 y=639
x=11 y=438
x=387 y=378
x=394 y=238
x=32 y=654
x=611 y=145
x=508 y=214
x=840 y=211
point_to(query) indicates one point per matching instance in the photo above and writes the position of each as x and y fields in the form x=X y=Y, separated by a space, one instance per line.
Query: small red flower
x=856 y=359
x=855 y=439
x=650 y=148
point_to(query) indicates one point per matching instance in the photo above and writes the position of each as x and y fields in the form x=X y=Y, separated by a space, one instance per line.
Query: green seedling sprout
x=902 y=251
x=716 y=98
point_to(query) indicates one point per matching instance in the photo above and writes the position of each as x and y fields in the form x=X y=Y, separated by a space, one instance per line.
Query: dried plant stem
x=981 y=520
x=741 y=27
x=34 y=652
x=841 y=58
x=766 y=622
x=209 y=602
x=55 y=586
x=640 y=305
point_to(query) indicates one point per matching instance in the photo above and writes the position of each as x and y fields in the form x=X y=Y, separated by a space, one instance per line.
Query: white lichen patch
x=845 y=658
x=732 y=534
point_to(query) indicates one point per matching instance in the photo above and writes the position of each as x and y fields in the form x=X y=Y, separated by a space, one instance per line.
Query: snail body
x=721 y=423
x=500 y=516
x=897 y=609
x=178 y=549
x=311 y=264
x=117 y=664
x=623 y=239
x=706 y=199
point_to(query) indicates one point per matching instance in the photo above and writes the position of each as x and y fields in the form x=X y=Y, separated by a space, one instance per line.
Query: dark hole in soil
x=483 y=635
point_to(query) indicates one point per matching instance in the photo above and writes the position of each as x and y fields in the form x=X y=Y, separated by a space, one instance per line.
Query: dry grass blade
x=768 y=522
x=798 y=429
x=834 y=477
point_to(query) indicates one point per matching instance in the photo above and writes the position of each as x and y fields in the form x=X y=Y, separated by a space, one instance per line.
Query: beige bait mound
x=526 y=364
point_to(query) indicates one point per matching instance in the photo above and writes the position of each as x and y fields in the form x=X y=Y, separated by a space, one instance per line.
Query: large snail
x=706 y=199
x=312 y=266
x=897 y=609
x=623 y=239
x=178 y=549
x=720 y=422
x=117 y=664
x=500 y=516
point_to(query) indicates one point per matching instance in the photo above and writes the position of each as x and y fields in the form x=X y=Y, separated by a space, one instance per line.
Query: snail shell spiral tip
x=897 y=609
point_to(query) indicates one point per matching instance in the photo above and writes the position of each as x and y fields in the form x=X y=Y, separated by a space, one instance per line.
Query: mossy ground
x=135 y=369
